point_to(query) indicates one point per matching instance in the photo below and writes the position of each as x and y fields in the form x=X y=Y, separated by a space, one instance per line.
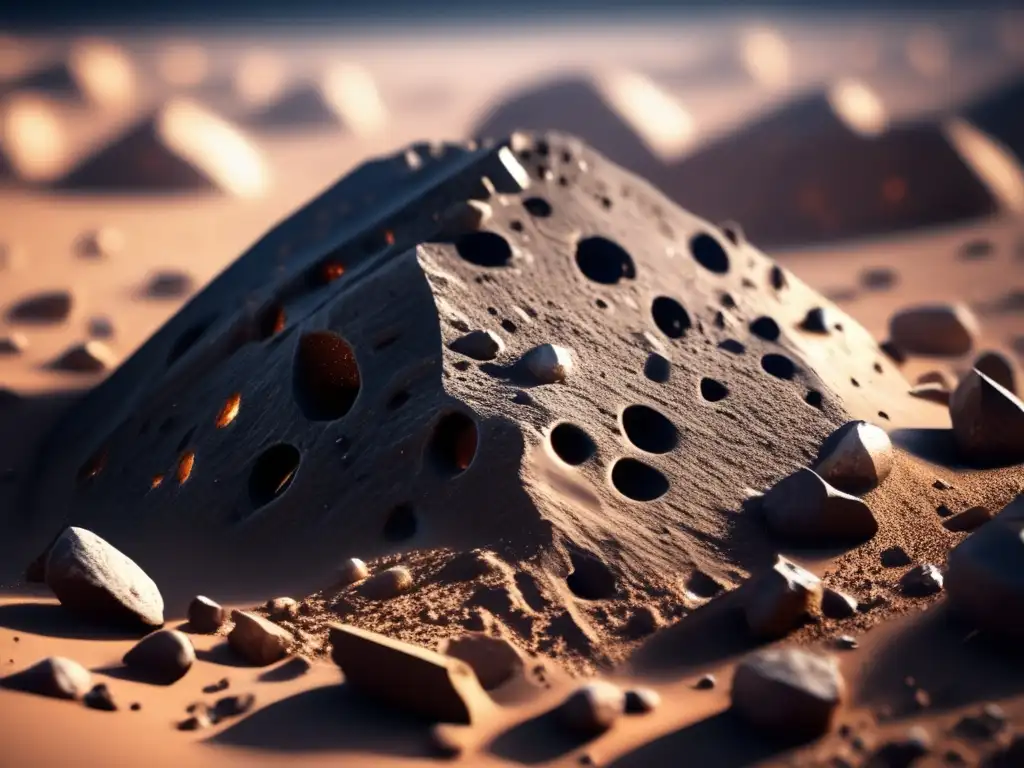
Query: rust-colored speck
x=229 y=411
x=389 y=237
x=185 y=464
x=279 y=320
x=894 y=190
x=92 y=468
x=332 y=270
x=157 y=481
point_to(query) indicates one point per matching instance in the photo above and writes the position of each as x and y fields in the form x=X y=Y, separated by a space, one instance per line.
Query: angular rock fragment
x=1000 y=368
x=985 y=577
x=894 y=557
x=388 y=583
x=593 y=708
x=940 y=330
x=352 y=571
x=411 y=678
x=788 y=693
x=856 y=457
x=257 y=640
x=233 y=706
x=549 y=363
x=88 y=357
x=205 y=616
x=781 y=599
x=967 y=520
x=988 y=421
x=479 y=345
x=93 y=579
x=804 y=508
x=58 y=677
x=162 y=657
x=922 y=580
x=837 y=605
x=494 y=660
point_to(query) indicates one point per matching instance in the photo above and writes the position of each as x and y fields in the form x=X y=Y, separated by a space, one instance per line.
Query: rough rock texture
x=418 y=680
x=360 y=432
x=92 y=578
x=985 y=576
x=56 y=676
x=162 y=657
x=781 y=599
x=257 y=640
x=988 y=421
x=856 y=457
x=804 y=508
x=788 y=693
x=205 y=615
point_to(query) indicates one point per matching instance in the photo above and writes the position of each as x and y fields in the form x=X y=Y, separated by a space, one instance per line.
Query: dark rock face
x=323 y=354
x=162 y=657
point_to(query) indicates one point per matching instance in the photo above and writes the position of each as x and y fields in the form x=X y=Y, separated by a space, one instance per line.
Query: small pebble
x=705 y=683
x=479 y=345
x=100 y=698
x=13 y=344
x=593 y=708
x=351 y=571
x=642 y=700
x=549 y=363
x=922 y=580
x=388 y=583
x=205 y=616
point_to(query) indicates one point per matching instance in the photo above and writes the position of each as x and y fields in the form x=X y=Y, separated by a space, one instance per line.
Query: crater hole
x=485 y=249
x=712 y=390
x=590 y=579
x=326 y=376
x=453 y=444
x=779 y=366
x=670 y=316
x=638 y=481
x=604 y=261
x=571 y=444
x=272 y=473
x=648 y=429
x=709 y=253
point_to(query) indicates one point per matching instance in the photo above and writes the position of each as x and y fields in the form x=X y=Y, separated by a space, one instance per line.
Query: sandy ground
x=441 y=87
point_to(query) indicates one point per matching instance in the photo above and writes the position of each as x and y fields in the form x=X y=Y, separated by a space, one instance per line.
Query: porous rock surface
x=309 y=405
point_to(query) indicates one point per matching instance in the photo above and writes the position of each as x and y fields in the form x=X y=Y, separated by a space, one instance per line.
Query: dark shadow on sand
x=937 y=446
x=947 y=658
x=720 y=740
x=535 y=741
x=52 y=620
x=329 y=718
x=294 y=668
x=223 y=655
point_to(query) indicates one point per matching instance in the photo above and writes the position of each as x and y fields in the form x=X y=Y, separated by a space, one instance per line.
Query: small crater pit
x=648 y=429
x=538 y=207
x=765 y=328
x=454 y=443
x=709 y=253
x=713 y=390
x=484 y=249
x=638 y=481
x=591 y=578
x=670 y=316
x=571 y=444
x=779 y=366
x=604 y=261
x=326 y=376
x=272 y=473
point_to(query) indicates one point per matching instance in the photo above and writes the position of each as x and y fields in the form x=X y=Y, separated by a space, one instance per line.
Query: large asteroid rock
x=308 y=405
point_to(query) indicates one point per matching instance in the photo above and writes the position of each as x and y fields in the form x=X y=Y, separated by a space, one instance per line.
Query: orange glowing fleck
x=158 y=480
x=185 y=465
x=332 y=270
x=389 y=237
x=894 y=190
x=93 y=466
x=229 y=411
x=284 y=481
x=279 y=320
x=465 y=448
